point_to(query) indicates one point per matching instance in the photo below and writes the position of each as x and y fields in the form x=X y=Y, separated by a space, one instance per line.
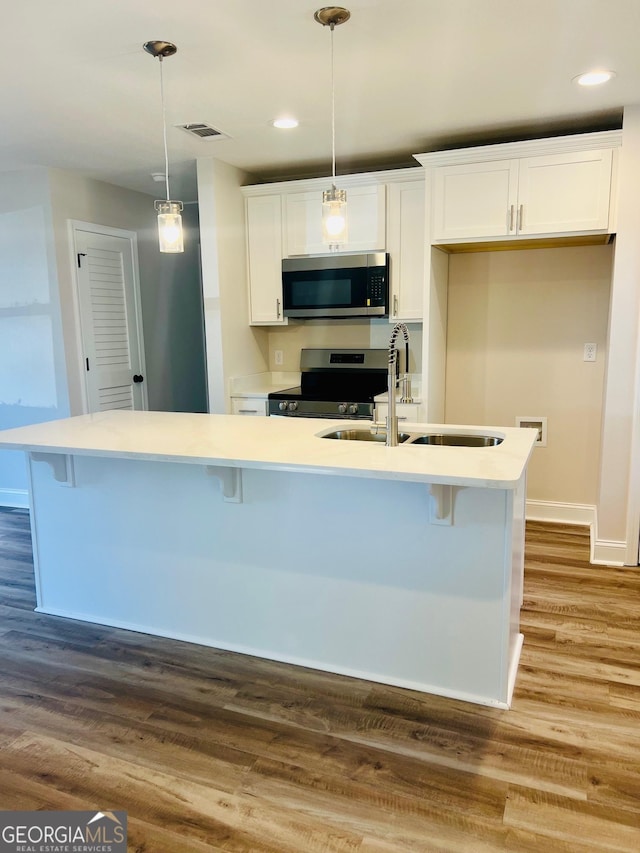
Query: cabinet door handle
x=277 y=309
x=511 y=213
x=520 y=217
x=395 y=304
x=247 y=411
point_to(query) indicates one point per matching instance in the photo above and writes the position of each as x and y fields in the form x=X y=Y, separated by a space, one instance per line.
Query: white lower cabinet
x=252 y=406
x=409 y=412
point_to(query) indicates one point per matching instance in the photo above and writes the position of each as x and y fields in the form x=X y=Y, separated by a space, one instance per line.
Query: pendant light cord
x=333 y=115
x=164 y=130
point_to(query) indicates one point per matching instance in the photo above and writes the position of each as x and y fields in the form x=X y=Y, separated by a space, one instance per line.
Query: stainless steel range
x=335 y=383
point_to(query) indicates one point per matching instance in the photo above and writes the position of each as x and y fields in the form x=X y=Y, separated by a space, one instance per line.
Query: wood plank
x=208 y=750
x=557 y=818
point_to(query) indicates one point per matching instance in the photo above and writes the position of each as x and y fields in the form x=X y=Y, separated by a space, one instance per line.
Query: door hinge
x=81 y=255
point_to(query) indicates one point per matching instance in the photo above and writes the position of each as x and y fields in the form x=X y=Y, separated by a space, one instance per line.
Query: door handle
x=137 y=377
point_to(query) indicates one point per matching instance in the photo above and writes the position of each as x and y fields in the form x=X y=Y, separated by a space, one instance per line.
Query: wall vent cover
x=203 y=131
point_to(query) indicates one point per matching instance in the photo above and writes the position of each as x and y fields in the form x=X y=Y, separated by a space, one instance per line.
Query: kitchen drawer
x=405 y=411
x=254 y=406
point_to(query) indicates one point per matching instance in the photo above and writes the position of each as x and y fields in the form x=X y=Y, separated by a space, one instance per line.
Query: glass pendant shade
x=334 y=202
x=170 y=226
x=169 y=218
x=334 y=217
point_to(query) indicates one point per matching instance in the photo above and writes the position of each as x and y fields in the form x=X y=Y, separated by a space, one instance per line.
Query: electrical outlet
x=590 y=352
x=278 y=358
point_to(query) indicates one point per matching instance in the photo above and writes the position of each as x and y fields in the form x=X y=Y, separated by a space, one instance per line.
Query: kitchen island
x=401 y=565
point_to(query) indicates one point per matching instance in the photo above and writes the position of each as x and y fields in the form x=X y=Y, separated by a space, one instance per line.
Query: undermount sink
x=457 y=440
x=433 y=439
x=363 y=435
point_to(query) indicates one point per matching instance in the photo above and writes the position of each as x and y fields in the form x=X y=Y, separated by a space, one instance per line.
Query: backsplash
x=372 y=334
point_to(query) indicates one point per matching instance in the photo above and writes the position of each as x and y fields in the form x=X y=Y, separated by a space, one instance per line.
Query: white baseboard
x=18 y=498
x=604 y=552
x=561 y=513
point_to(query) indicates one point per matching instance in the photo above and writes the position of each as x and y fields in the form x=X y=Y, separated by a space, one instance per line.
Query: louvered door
x=110 y=321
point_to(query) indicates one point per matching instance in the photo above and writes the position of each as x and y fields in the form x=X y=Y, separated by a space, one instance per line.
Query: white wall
x=619 y=492
x=40 y=368
x=233 y=348
x=33 y=384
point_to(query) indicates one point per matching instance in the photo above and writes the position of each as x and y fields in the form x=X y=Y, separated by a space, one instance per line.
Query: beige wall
x=517 y=325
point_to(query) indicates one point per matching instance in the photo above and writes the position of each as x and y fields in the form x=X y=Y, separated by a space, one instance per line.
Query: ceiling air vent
x=204 y=131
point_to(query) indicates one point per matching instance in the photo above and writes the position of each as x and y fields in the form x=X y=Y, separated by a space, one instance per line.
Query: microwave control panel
x=377 y=287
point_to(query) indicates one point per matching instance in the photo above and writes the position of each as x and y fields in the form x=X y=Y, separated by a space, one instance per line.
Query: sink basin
x=363 y=435
x=458 y=440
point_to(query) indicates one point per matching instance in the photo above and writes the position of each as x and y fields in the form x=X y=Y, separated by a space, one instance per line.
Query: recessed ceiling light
x=285 y=122
x=594 y=78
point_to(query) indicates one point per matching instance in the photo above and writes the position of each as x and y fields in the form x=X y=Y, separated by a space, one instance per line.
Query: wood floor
x=209 y=751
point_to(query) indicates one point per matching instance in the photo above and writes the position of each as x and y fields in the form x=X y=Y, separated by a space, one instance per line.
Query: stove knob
x=342 y=408
x=283 y=406
x=293 y=406
x=353 y=409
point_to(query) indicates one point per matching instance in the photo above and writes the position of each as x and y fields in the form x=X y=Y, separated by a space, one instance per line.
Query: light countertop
x=290 y=444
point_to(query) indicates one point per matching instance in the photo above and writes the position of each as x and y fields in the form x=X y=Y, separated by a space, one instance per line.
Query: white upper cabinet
x=564 y=192
x=365 y=221
x=264 y=255
x=406 y=244
x=542 y=187
x=474 y=200
x=285 y=220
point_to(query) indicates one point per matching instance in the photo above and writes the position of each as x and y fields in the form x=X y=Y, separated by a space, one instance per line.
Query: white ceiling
x=80 y=93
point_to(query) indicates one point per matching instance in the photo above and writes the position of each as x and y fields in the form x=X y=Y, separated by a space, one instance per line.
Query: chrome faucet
x=392 y=417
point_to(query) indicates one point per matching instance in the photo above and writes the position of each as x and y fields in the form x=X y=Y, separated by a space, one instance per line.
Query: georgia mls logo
x=63 y=832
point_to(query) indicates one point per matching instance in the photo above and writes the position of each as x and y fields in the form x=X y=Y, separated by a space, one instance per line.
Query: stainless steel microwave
x=336 y=286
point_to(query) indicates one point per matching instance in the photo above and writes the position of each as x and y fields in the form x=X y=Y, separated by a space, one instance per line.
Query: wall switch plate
x=534 y=422
x=590 y=352
x=278 y=358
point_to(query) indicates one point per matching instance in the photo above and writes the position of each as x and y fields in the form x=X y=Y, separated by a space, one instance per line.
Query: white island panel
x=336 y=573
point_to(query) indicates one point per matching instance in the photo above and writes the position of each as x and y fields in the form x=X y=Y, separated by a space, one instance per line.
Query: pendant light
x=334 y=201
x=169 y=212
